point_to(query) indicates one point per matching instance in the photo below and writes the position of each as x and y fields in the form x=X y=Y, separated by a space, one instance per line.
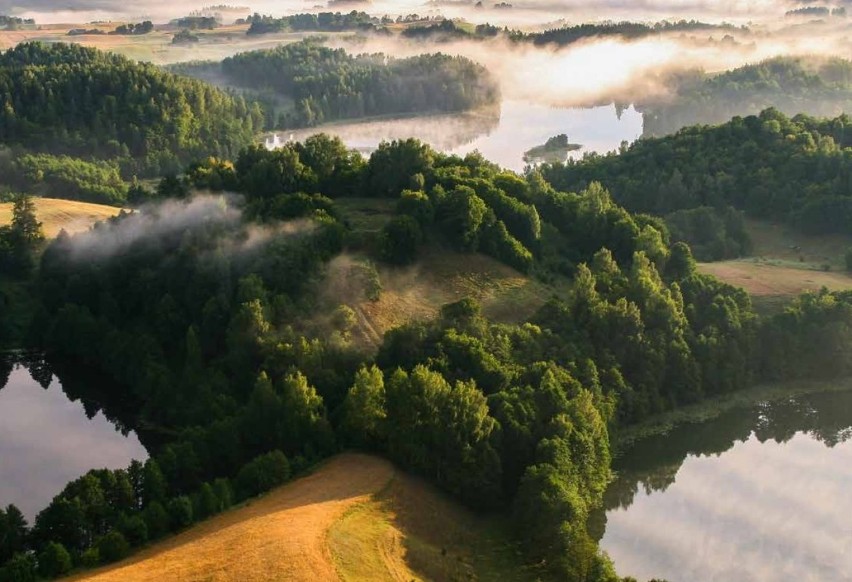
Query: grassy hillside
x=785 y=263
x=354 y=518
x=418 y=291
x=58 y=214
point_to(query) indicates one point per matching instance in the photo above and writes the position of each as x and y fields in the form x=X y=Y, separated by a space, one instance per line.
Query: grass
x=354 y=518
x=56 y=215
x=418 y=291
x=784 y=264
x=409 y=531
x=714 y=407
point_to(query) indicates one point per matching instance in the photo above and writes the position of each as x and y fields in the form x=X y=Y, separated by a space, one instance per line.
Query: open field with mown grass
x=56 y=215
x=785 y=263
x=354 y=518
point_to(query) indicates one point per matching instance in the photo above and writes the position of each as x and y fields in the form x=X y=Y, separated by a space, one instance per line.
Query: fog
x=158 y=221
x=591 y=72
x=522 y=13
x=598 y=71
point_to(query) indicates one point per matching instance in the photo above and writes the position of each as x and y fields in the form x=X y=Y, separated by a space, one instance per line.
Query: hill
x=304 y=83
x=355 y=518
x=67 y=99
x=56 y=215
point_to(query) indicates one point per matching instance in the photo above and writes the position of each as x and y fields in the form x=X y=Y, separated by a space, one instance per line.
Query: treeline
x=197 y=22
x=796 y=170
x=70 y=100
x=13 y=22
x=820 y=87
x=63 y=177
x=320 y=22
x=449 y=30
x=328 y=84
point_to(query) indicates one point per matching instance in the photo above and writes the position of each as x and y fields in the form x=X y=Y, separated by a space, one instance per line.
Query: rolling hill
x=355 y=518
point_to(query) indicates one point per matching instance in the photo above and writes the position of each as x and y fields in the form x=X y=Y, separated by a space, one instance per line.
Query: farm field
x=56 y=215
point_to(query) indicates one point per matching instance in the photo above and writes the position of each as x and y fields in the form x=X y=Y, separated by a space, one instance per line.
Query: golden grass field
x=56 y=215
x=354 y=518
x=785 y=263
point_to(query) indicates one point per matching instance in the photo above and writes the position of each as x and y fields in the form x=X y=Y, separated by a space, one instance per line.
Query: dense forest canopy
x=67 y=99
x=797 y=170
x=203 y=310
x=325 y=84
x=815 y=86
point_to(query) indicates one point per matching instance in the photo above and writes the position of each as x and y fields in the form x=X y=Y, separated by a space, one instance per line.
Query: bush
x=54 y=561
x=134 y=529
x=180 y=512
x=400 y=239
x=205 y=502
x=21 y=568
x=224 y=493
x=262 y=474
x=156 y=519
x=112 y=547
x=90 y=558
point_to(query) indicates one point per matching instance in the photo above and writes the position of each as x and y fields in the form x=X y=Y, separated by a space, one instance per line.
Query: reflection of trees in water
x=79 y=383
x=652 y=464
x=443 y=132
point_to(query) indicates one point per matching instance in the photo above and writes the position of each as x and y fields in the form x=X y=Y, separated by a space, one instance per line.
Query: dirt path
x=278 y=537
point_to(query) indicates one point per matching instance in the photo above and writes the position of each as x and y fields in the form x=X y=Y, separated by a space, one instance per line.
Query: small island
x=555 y=149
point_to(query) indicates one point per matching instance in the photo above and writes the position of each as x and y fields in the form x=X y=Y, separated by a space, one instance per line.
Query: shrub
x=112 y=547
x=54 y=561
x=262 y=474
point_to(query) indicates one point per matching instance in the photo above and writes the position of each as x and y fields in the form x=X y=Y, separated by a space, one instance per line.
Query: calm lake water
x=502 y=134
x=756 y=495
x=46 y=439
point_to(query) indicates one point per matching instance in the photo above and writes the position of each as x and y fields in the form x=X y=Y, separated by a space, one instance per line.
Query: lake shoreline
x=661 y=424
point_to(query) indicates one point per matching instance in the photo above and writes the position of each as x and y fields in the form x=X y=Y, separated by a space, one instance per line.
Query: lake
x=758 y=494
x=48 y=439
x=502 y=134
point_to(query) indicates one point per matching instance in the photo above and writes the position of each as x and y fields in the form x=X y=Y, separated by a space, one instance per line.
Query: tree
x=262 y=474
x=180 y=512
x=400 y=239
x=13 y=533
x=112 y=547
x=156 y=519
x=364 y=416
x=19 y=240
x=54 y=561
x=462 y=213
x=20 y=568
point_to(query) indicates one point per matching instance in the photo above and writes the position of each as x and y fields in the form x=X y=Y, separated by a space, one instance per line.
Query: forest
x=320 y=22
x=793 y=85
x=69 y=100
x=203 y=310
x=325 y=84
x=795 y=170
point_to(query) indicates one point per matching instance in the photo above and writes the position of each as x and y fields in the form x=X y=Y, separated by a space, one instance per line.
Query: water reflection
x=49 y=436
x=758 y=494
x=502 y=135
